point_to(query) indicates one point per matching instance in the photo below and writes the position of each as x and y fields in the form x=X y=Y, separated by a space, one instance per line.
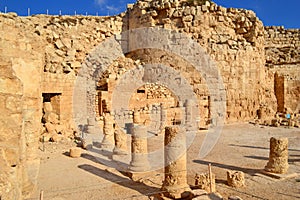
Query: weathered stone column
x=278 y=158
x=190 y=121
x=137 y=117
x=139 y=157
x=163 y=117
x=108 y=141
x=120 y=142
x=175 y=182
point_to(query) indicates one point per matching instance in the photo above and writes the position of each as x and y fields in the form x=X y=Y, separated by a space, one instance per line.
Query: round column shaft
x=139 y=157
x=175 y=182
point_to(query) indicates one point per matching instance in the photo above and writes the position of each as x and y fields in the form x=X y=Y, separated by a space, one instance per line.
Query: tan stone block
x=47 y=107
x=59 y=44
x=50 y=117
x=202 y=181
x=235 y=179
x=50 y=128
x=75 y=152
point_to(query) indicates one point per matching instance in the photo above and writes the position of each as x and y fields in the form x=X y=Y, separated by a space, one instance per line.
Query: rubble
x=42 y=56
x=236 y=179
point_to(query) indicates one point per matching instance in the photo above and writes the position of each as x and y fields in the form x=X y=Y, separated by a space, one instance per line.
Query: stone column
x=163 y=117
x=175 y=182
x=108 y=141
x=139 y=157
x=190 y=122
x=137 y=116
x=278 y=158
x=120 y=142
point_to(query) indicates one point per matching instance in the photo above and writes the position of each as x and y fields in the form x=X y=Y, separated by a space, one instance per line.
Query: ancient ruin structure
x=41 y=57
x=120 y=142
x=202 y=181
x=175 y=182
x=278 y=158
x=75 y=152
x=139 y=157
x=235 y=179
x=108 y=141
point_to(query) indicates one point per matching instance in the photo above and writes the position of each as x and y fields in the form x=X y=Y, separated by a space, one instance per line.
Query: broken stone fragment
x=50 y=117
x=50 y=128
x=202 y=181
x=59 y=44
x=75 y=65
x=67 y=69
x=235 y=179
x=75 y=152
x=47 y=107
x=56 y=138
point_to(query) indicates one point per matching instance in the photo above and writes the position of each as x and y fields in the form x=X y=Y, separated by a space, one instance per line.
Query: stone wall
x=42 y=55
x=234 y=38
x=20 y=93
x=283 y=58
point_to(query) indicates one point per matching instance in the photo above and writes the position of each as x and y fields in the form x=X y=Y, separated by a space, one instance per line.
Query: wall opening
x=55 y=101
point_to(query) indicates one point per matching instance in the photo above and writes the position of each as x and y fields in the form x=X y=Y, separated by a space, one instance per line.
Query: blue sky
x=271 y=12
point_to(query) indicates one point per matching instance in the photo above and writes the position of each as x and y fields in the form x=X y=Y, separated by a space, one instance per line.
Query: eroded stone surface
x=175 y=182
x=202 y=181
x=278 y=157
x=236 y=179
x=44 y=54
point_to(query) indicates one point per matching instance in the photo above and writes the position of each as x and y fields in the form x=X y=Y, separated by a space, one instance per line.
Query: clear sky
x=271 y=12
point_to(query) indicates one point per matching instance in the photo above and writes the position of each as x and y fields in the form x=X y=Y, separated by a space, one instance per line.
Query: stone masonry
x=41 y=57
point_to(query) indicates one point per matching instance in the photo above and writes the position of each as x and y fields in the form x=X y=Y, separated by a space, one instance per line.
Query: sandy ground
x=242 y=147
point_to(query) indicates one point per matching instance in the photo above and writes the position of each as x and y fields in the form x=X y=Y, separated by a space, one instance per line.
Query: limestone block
x=235 y=179
x=187 y=18
x=55 y=35
x=66 y=43
x=242 y=31
x=75 y=65
x=59 y=44
x=56 y=138
x=47 y=107
x=278 y=157
x=275 y=122
x=75 y=152
x=59 y=128
x=202 y=181
x=67 y=69
x=50 y=127
x=50 y=117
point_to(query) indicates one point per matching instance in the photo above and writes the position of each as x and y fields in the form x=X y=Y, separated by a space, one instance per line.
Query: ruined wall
x=42 y=55
x=283 y=58
x=39 y=55
x=234 y=38
x=20 y=93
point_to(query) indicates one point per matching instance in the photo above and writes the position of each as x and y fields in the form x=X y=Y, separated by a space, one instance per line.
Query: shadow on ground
x=254 y=147
x=229 y=167
x=142 y=188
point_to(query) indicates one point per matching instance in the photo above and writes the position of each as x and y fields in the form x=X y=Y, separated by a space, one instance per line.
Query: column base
x=137 y=176
x=178 y=192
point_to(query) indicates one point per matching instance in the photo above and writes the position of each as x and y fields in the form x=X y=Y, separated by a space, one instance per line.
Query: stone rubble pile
x=53 y=130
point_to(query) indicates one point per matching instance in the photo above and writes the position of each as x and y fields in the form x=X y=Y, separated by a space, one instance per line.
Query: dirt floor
x=242 y=147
